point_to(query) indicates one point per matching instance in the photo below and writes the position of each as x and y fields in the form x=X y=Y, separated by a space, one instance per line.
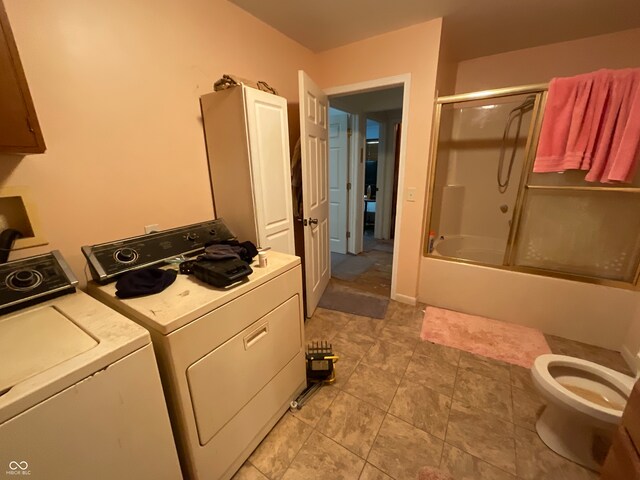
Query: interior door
x=338 y=178
x=314 y=108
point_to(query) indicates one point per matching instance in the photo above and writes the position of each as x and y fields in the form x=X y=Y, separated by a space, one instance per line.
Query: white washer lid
x=37 y=340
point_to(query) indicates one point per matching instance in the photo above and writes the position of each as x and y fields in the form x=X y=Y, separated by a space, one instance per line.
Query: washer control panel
x=107 y=261
x=34 y=279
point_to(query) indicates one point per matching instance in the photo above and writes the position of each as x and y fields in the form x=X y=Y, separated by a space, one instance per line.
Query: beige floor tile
x=432 y=373
x=322 y=459
x=352 y=423
x=483 y=436
x=345 y=367
x=521 y=378
x=440 y=353
x=372 y=473
x=422 y=407
x=350 y=353
x=276 y=452
x=402 y=313
x=402 y=336
x=490 y=396
x=370 y=327
x=248 y=472
x=372 y=385
x=537 y=462
x=401 y=450
x=388 y=357
x=314 y=408
x=485 y=366
x=355 y=342
x=324 y=324
x=463 y=466
x=527 y=407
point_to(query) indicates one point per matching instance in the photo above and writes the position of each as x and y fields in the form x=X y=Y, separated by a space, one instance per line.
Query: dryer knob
x=126 y=255
x=24 y=279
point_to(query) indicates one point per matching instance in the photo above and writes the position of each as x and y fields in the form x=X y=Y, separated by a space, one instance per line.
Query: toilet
x=584 y=405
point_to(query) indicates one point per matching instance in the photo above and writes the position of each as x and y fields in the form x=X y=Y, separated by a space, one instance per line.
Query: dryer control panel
x=107 y=261
x=33 y=280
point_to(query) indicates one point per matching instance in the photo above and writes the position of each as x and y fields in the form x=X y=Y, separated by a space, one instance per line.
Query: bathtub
x=486 y=250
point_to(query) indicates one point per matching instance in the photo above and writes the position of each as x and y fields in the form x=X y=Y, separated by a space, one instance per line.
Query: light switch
x=411 y=194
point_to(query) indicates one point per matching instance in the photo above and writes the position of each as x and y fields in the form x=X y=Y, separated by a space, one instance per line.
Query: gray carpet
x=355 y=303
x=349 y=267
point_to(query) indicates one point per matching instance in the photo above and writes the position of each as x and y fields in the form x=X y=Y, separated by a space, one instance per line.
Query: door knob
x=313 y=221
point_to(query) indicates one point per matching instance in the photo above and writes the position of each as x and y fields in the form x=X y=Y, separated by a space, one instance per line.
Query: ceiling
x=472 y=28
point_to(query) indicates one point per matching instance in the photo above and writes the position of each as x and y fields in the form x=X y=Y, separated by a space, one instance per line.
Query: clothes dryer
x=231 y=359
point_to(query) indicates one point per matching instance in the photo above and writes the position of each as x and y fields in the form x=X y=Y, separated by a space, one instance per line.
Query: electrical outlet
x=411 y=194
x=151 y=228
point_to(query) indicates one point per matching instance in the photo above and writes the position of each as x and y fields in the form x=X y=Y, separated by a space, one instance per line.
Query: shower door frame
x=540 y=90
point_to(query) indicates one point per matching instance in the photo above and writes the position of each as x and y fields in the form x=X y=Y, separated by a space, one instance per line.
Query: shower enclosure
x=488 y=208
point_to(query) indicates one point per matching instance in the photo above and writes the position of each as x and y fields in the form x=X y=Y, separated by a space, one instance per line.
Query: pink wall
x=414 y=51
x=116 y=87
x=541 y=64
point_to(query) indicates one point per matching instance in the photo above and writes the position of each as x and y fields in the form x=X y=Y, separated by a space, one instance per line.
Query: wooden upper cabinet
x=19 y=128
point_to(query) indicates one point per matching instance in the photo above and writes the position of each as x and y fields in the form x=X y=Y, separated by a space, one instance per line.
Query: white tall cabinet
x=247 y=139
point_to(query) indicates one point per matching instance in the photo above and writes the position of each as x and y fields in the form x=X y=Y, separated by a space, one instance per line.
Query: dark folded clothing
x=146 y=281
x=220 y=251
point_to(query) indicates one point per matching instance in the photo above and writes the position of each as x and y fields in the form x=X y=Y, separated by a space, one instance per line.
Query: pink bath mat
x=503 y=341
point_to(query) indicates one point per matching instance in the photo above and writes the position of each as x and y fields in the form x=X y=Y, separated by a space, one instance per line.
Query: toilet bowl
x=584 y=405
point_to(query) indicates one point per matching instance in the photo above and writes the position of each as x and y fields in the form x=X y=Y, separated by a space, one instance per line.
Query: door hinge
x=349 y=132
x=348 y=234
x=348 y=185
x=361 y=154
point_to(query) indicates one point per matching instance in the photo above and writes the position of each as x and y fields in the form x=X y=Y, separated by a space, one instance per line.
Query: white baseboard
x=631 y=359
x=398 y=297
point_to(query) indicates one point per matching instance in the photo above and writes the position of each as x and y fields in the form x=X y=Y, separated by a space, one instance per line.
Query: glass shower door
x=480 y=161
x=579 y=228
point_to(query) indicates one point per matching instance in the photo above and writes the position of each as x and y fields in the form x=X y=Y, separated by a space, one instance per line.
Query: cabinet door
x=19 y=128
x=270 y=169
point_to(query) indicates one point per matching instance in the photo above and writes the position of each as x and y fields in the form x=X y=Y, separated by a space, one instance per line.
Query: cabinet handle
x=254 y=337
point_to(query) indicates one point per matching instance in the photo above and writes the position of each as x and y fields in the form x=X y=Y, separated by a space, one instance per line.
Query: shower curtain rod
x=497 y=92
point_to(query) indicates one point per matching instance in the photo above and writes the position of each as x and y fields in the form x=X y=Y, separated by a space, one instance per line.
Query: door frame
x=404 y=81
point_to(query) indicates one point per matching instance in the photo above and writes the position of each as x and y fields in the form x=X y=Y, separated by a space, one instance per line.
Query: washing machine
x=80 y=392
x=231 y=359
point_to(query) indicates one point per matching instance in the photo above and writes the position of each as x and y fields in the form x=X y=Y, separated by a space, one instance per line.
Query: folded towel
x=625 y=154
x=613 y=120
x=563 y=95
x=585 y=122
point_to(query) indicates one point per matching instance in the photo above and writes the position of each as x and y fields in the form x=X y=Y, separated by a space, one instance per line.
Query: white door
x=270 y=168
x=338 y=177
x=314 y=109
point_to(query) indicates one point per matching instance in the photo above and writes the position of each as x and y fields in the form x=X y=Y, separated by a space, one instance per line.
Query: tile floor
x=399 y=404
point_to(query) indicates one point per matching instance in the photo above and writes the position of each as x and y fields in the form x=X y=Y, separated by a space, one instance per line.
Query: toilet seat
x=552 y=388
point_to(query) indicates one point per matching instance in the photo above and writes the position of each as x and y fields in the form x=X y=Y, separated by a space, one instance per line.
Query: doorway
x=371 y=170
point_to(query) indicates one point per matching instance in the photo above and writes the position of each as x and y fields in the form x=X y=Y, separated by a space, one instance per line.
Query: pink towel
x=564 y=95
x=625 y=153
x=614 y=120
x=586 y=122
x=592 y=122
